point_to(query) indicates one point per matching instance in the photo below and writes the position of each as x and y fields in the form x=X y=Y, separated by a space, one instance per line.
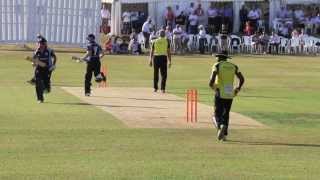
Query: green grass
x=63 y=139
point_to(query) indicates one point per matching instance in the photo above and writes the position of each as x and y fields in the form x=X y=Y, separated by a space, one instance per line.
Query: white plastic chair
x=247 y=44
x=284 y=42
x=295 y=45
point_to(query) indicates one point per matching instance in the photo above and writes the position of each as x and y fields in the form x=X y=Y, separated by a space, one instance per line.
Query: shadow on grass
x=102 y=105
x=253 y=143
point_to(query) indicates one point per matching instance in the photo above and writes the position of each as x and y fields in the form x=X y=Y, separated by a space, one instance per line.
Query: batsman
x=222 y=82
x=92 y=57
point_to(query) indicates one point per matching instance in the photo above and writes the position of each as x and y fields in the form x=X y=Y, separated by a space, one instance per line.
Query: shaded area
x=261 y=143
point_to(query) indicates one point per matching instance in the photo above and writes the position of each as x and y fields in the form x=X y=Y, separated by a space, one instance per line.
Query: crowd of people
x=297 y=17
x=198 y=30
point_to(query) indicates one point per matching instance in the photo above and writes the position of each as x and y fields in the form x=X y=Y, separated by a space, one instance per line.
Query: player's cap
x=223 y=55
x=42 y=40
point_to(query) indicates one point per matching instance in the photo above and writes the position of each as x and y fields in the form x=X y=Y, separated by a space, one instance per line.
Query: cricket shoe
x=32 y=81
x=87 y=94
x=99 y=78
x=104 y=77
x=40 y=101
x=221 y=132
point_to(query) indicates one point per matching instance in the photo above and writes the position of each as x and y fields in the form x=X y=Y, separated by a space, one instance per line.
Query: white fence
x=60 y=21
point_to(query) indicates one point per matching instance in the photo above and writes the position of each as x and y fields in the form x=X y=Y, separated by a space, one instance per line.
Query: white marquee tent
x=60 y=21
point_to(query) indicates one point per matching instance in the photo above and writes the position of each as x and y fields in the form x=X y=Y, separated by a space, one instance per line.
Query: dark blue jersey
x=95 y=50
x=45 y=56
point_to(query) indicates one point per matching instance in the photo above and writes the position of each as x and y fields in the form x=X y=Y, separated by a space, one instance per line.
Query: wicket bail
x=192 y=102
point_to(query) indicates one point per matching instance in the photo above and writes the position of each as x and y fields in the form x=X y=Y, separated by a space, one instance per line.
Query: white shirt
x=315 y=20
x=202 y=33
x=177 y=32
x=134 y=16
x=274 y=39
x=105 y=13
x=146 y=27
x=254 y=14
x=299 y=14
x=193 y=20
x=126 y=17
x=191 y=10
x=212 y=12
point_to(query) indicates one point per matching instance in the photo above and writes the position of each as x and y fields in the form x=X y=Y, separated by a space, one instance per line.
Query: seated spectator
x=263 y=43
x=153 y=36
x=108 y=45
x=274 y=42
x=249 y=30
x=133 y=34
x=202 y=39
x=255 y=41
x=115 y=45
x=135 y=47
x=283 y=13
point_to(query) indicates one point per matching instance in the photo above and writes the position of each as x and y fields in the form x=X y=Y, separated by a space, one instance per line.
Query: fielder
x=92 y=57
x=222 y=82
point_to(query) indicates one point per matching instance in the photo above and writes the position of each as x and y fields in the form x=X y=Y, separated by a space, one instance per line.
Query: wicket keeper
x=222 y=82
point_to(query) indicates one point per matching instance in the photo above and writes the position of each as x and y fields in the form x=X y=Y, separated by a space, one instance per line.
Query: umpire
x=43 y=73
x=160 y=55
x=92 y=57
x=222 y=82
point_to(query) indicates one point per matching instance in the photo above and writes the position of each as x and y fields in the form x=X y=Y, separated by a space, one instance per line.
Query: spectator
x=169 y=33
x=177 y=10
x=181 y=20
x=274 y=42
x=227 y=17
x=284 y=31
x=254 y=15
x=126 y=22
x=243 y=17
x=283 y=13
x=135 y=21
x=177 y=40
x=105 y=14
x=146 y=30
x=135 y=47
x=153 y=36
x=225 y=40
x=189 y=12
x=193 y=19
x=202 y=39
x=255 y=41
x=248 y=31
x=263 y=43
x=200 y=14
x=212 y=18
x=169 y=17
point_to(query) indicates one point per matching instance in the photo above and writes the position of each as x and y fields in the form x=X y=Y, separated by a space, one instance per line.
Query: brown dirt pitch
x=142 y=108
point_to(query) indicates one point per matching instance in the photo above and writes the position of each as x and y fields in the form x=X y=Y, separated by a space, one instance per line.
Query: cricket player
x=222 y=82
x=92 y=57
x=44 y=65
x=160 y=59
x=32 y=81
